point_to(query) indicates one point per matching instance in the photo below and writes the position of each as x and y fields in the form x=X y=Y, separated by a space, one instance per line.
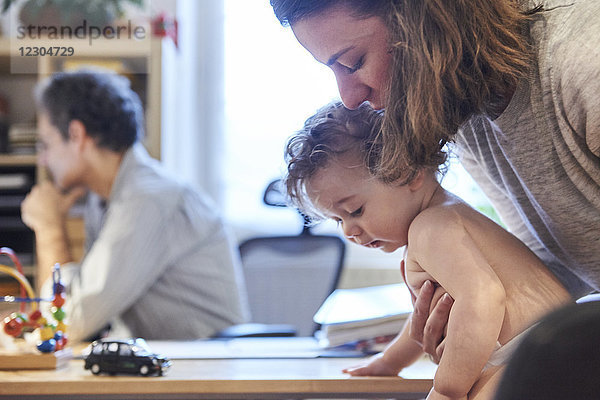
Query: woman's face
x=356 y=50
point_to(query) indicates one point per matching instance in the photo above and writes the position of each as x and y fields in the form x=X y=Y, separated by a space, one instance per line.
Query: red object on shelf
x=165 y=26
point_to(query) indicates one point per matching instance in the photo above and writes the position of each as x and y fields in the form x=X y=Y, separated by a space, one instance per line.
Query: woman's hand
x=427 y=328
x=375 y=366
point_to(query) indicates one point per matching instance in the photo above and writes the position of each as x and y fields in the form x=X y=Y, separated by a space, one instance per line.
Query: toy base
x=17 y=360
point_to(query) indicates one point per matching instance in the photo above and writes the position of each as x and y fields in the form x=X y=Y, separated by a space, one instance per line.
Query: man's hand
x=428 y=328
x=45 y=207
x=44 y=210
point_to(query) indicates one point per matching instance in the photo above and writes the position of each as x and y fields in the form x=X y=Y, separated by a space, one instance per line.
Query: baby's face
x=371 y=213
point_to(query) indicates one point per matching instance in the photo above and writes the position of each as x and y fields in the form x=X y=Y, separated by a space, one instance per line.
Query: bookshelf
x=146 y=66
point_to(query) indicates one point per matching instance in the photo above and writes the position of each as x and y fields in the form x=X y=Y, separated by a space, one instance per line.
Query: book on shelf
x=22 y=138
x=363 y=316
x=22 y=131
x=14 y=181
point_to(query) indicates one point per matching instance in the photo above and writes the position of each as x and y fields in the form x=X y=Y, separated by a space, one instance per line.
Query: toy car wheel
x=144 y=370
x=95 y=369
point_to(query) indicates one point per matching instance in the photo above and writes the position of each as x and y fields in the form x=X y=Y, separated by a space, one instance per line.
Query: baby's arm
x=433 y=395
x=400 y=353
x=443 y=247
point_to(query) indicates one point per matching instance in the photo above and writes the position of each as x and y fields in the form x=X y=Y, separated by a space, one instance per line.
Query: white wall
x=194 y=151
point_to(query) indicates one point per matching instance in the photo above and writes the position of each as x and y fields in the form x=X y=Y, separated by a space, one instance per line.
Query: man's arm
x=44 y=210
x=125 y=260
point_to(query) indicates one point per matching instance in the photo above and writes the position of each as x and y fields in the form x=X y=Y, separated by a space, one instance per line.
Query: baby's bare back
x=531 y=289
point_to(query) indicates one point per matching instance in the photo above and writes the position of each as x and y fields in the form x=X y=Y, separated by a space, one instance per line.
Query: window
x=124 y=350
x=112 y=347
x=267 y=99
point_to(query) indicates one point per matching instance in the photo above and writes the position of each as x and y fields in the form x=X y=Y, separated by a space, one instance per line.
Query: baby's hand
x=376 y=366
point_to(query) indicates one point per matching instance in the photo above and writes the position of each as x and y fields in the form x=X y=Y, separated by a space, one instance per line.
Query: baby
x=500 y=288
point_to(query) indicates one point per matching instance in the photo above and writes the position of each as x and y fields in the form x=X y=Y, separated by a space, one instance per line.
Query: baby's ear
x=418 y=180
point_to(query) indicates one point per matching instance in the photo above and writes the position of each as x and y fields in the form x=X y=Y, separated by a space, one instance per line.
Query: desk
x=221 y=379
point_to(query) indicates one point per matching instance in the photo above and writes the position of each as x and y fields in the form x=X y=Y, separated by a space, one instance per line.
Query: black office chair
x=287 y=277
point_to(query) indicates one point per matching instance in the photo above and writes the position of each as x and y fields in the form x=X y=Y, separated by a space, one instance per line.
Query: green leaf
x=6 y=5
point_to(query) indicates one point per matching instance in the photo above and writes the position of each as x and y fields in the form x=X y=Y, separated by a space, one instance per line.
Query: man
x=159 y=263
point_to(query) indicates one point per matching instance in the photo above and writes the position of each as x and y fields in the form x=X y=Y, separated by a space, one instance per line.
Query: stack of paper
x=363 y=314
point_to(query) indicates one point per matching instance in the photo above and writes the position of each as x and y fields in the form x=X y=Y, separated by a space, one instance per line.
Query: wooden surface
x=18 y=159
x=221 y=379
x=34 y=360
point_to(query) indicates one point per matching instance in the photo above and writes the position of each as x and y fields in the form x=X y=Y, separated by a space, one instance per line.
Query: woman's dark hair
x=331 y=132
x=104 y=103
x=450 y=59
x=289 y=12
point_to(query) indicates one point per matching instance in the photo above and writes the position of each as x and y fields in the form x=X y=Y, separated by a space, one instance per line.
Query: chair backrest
x=289 y=277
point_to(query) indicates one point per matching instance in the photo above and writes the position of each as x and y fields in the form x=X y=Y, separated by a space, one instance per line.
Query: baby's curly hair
x=333 y=131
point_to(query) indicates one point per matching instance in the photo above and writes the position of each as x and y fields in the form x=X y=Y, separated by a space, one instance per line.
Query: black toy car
x=130 y=356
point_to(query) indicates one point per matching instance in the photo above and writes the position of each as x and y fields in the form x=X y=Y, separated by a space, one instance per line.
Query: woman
x=513 y=84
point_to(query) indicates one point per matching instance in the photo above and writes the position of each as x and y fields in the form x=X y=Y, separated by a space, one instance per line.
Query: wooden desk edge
x=367 y=386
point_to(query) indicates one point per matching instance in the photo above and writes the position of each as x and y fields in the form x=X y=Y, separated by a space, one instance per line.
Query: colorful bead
x=59 y=287
x=13 y=325
x=59 y=299
x=35 y=315
x=58 y=313
x=65 y=340
x=60 y=340
x=61 y=326
x=47 y=346
x=46 y=333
